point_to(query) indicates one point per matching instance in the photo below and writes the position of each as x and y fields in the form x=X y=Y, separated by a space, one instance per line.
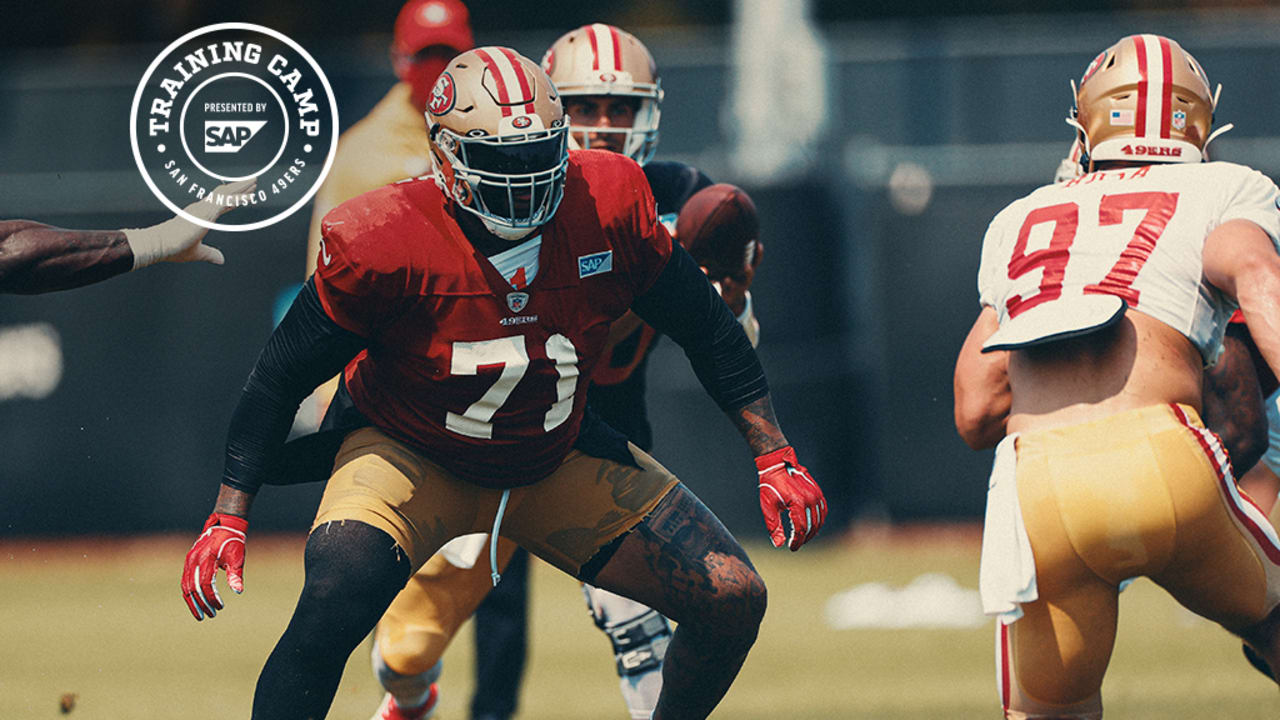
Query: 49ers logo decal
x=1151 y=150
x=1093 y=67
x=442 y=95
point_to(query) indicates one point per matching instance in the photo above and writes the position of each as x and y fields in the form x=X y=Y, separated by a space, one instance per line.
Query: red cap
x=423 y=23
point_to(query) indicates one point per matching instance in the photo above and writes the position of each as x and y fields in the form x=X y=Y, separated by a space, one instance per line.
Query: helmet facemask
x=512 y=183
x=640 y=141
x=499 y=140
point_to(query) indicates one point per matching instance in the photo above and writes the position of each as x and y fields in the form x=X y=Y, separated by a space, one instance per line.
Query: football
x=719 y=228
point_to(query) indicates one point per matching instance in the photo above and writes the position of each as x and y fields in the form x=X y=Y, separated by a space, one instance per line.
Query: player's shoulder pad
x=614 y=180
x=371 y=230
x=601 y=165
x=1244 y=172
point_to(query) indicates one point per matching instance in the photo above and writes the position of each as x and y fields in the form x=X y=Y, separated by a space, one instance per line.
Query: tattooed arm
x=684 y=305
x=37 y=258
x=759 y=427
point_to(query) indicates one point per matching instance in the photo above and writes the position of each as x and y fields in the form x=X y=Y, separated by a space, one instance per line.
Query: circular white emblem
x=229 y=102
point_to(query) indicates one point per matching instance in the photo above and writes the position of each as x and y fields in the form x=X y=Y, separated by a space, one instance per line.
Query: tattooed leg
x=682 y=562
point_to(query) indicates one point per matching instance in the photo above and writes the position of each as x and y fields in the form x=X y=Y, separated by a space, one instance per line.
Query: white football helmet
x=601 y=59
x=498 y=139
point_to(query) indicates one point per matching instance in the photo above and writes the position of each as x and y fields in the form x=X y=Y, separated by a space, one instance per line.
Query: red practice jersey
x=488 y=381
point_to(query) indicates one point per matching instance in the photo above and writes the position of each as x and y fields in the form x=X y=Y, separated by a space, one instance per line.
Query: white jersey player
x=1104 y=296
x=1145 y=229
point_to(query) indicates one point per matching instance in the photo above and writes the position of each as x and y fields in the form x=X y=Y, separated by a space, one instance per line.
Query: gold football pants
x=1147 y=492
x=565 y=519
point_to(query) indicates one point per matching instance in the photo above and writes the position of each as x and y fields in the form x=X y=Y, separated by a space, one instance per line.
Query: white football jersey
x=1057 y=262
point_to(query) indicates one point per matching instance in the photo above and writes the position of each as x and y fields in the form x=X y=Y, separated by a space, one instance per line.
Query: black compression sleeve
x=306 y=349
x=683 y=305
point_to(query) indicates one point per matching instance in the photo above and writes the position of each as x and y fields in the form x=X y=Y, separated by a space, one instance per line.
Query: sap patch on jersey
x=595 y=264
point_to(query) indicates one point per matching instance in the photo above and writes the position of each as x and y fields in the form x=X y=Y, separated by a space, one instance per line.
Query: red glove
x=221 y=545
x=785 y=485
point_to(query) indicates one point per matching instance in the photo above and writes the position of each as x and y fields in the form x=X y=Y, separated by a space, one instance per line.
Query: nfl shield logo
x=517 y=301
x=1179 y=120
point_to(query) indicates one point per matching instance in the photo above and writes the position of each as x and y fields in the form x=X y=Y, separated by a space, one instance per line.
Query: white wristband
x=149 y=244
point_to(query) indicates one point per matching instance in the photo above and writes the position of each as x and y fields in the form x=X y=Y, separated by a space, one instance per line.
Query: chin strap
x=506 y=233
x=1086 y=150
x=1215 y=134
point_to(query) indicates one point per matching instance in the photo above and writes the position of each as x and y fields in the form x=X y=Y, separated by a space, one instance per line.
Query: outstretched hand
x=180 y=240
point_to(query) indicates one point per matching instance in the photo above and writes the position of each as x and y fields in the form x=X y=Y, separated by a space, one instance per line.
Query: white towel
x=1008 y=572
x=464 y=550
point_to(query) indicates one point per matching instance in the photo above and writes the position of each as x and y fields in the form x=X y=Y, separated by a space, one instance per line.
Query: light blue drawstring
x=493 y=538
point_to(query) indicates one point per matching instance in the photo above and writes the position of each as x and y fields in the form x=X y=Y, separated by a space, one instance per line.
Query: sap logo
x=230 y=136
x=1151 y=150
x=595 y=263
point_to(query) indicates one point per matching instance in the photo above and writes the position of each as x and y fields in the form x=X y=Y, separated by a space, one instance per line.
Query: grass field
x=104 y=620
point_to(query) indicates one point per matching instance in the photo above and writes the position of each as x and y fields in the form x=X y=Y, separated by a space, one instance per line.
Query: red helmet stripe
x=501 y=76
x=499 y=81
x=1140 y=119
x=617 y=48
x=522 y=78
x=595 y=49
x=1166 y=92
x=604 y=46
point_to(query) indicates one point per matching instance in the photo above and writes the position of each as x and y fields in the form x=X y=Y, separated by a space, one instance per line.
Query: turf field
x=104 y=620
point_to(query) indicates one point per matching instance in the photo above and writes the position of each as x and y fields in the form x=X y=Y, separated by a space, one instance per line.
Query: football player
x=612 y=96
x=463 y=314
x=1111 y=291
x=390 y=144
x=39 y=258
x=1234 y=388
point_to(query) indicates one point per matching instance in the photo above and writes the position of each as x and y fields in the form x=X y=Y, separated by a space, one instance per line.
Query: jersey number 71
x=511 y=355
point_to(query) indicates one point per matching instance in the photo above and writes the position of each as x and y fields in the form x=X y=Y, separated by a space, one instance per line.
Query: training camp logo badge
x=233 y=102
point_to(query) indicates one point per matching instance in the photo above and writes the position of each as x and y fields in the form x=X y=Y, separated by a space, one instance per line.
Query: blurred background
x=877 y=140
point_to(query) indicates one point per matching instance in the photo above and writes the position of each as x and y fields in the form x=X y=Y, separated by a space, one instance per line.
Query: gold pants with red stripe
x=565 y=519
x=1148 y=492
